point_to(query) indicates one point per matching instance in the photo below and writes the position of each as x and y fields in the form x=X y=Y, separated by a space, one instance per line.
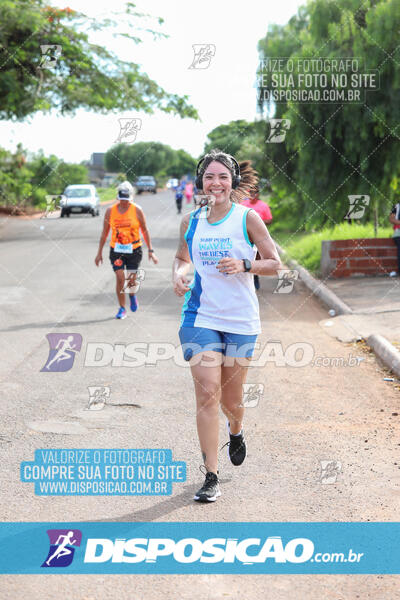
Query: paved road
x=306 y=415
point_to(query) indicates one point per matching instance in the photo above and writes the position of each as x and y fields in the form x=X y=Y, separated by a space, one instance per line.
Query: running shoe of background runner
x=121 y=314
x=134 y=303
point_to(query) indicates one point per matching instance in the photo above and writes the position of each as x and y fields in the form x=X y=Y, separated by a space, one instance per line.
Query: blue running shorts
x=199 y=339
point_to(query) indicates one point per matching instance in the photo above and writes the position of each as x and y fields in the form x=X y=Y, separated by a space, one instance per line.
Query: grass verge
x=306 y=247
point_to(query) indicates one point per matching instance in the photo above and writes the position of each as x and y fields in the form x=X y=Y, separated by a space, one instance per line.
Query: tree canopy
x=242 y=139
x=149 y=158
x=26 y=179
x=48 y=62
x=334 y=150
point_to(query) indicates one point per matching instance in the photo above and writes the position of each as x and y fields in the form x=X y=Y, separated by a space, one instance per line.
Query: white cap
x=125 y=191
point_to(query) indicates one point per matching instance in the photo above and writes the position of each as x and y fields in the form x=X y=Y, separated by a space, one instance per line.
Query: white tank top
x=222 y=302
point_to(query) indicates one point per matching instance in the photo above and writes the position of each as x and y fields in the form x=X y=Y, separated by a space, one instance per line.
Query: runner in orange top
x=125 y=219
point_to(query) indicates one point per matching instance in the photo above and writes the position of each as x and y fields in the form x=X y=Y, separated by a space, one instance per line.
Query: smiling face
x=217 y=180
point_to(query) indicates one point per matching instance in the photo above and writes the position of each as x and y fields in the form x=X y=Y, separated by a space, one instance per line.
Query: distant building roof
x=97 y=159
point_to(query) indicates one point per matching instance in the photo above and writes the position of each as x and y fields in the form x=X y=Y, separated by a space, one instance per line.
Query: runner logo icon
x=279 y=129
x=357 y=206
x=98 y=396
x=202 y=55
x=286 y=279
x=128 y=129
x=50 y=54
x=251 y=394
x=63 y=347
x=61 y=551
x=330 y=470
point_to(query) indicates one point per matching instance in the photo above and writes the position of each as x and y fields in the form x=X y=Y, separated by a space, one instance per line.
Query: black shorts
x=121 y=260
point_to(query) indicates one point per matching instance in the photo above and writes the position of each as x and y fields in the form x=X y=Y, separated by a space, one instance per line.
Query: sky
x=222 y=92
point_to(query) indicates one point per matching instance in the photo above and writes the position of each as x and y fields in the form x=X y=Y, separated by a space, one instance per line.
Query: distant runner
x=264 y=211
x=179 y=198
x=189 y=192
x=125 y=219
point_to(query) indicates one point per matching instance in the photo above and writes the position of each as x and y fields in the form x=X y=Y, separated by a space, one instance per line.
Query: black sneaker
x=236 y=449
x=210 y=490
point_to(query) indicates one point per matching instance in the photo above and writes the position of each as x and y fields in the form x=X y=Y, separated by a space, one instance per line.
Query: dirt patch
x=20 y=211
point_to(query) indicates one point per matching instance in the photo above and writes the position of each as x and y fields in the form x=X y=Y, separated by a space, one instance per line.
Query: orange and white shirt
x=125 y=236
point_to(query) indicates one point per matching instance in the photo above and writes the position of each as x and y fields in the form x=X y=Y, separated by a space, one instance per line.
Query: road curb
x=318 y=288
x=383 y=349
x=388 y=354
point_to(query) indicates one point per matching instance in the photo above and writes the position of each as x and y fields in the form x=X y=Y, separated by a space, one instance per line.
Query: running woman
x=125 y=219
x=220 y=315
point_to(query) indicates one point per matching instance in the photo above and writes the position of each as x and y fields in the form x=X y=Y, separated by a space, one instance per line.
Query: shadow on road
x=53 y=325
x=161 y=509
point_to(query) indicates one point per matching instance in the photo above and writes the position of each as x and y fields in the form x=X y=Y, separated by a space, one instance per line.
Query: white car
x=80 y=199
x=172 y=183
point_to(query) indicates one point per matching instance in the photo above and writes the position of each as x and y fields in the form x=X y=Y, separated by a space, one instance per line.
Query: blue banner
x=92 y=547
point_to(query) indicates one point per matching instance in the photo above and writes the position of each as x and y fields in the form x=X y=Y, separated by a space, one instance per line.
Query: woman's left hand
x=230 y=265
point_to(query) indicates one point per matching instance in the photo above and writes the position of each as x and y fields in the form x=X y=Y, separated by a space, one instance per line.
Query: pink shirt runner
x=189 y=189
x=260 y=207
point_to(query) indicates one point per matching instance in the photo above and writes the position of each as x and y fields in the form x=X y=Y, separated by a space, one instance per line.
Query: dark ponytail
x=248 y=181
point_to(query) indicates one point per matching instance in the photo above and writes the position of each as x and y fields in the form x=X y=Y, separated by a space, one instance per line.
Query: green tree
x=26 y=180
x=331 y=150
x=183 y=164
x=70 y=174
x=148 y=158
x=53 y=174
x=15 y=178
x=85 y=75
x=229 y=137
x=242 y=139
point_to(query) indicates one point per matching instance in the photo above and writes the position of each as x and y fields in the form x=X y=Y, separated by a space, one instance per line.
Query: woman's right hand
x=181 y=285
